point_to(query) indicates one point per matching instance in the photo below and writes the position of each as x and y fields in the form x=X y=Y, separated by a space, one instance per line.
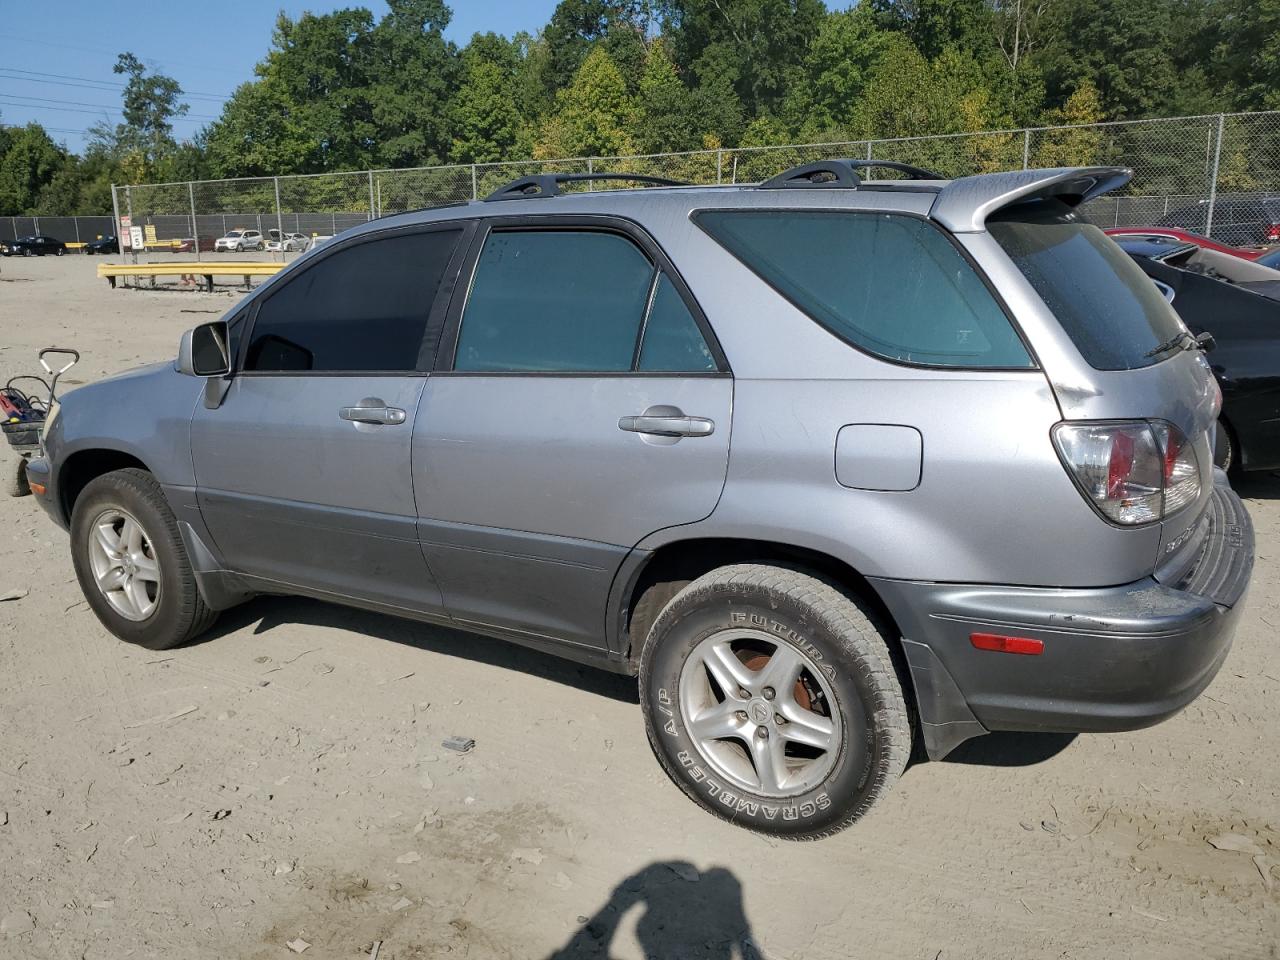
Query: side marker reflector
x=999 y=644
x=36 y=488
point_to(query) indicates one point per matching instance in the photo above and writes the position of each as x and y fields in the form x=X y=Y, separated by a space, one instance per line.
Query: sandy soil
x=284 y=781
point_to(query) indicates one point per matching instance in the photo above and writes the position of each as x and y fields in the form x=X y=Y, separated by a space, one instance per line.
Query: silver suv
x=836 y=467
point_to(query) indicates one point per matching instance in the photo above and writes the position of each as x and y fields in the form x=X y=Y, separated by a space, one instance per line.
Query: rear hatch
x=1143 y=363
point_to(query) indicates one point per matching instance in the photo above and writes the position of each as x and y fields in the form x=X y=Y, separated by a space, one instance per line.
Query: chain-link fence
x=1217 y=174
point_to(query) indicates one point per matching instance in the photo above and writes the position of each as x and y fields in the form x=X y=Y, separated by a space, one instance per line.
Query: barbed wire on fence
x=1212 y=173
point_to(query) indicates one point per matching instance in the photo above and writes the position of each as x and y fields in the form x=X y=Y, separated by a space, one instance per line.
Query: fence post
x=371 y=213
x=279 y=217
x=719 y=167
x=735 y=167
x=115 y=210
x=475 y=190
x=128 y=204
x=195 y=226
x=1213 y=177
x=1026 y=148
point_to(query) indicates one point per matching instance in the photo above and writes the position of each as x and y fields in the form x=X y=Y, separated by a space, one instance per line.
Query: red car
x=1186 y=236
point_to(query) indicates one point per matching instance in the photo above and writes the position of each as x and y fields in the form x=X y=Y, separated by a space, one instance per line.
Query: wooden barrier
x=205 y=269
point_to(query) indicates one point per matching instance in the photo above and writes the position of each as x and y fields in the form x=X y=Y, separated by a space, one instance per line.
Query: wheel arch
x=667 y=568
x=84 y=466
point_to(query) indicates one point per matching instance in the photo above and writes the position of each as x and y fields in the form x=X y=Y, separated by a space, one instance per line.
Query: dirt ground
x=284 y=781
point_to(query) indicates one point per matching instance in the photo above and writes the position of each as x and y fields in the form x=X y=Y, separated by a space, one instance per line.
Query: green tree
x=754 y=46
x=411 y=77
x=823 y=103
x=30 y=164
x=486 y=118
x=594 y=115
x=1076 y=144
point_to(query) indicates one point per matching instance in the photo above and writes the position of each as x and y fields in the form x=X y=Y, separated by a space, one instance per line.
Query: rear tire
x=817 y=730
x=122 y=534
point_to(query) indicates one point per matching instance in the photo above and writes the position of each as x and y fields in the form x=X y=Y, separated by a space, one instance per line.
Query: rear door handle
x=663 y=426
x=372 y=410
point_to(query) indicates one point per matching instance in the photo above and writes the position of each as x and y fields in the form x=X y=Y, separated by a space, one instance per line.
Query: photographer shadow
x=683 y=916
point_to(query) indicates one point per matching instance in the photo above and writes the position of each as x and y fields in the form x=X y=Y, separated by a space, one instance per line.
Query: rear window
x=1109 y=308
x=891 y=285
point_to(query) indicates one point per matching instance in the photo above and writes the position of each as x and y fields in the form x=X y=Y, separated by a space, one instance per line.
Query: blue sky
x=210 y=46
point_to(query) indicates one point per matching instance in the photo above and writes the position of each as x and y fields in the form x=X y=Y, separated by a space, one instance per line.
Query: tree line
x=349 y=91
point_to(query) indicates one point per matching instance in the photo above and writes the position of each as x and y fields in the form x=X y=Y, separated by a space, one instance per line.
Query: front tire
x=770 y=698
x=131 y=563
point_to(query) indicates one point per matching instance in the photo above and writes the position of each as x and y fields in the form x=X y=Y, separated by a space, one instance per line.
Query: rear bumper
x=1115 y=658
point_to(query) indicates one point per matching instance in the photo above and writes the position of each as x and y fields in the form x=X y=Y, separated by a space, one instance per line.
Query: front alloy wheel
x=124 y=564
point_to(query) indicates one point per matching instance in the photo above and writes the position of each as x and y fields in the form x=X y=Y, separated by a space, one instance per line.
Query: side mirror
x=204 y=351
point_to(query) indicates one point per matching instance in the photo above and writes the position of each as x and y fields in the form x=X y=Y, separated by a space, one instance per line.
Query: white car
x=316 y=241
x=291 y=242
x=239 y=241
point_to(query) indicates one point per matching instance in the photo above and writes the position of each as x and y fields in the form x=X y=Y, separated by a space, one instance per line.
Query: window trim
x=436 y=314
x=595 y=223
x=1035 y=367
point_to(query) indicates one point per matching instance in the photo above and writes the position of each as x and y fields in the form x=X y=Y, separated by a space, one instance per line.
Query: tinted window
x=362 y=308
x=560 y=300
x=894 y=286
x=1113 y=313
x=672 y=340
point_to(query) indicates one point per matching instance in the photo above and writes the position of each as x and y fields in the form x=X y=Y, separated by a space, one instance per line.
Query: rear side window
x=574 y=301
x=363 y=308
x=1109 y=308
x=891 y=285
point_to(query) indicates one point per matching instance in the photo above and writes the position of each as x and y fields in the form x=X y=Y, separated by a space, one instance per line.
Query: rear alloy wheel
x=131 y=563
x=770 y=698
x=1224 y=448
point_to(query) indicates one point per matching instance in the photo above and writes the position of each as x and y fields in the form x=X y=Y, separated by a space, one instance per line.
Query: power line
x=63 y=80
x=81 y=103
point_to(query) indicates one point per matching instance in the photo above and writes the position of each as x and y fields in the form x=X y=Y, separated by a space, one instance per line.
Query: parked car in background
x=287 y=243
x=1238 y=302
x=35 y=246
x=971 y=484
x=1241 y=221
x=102 y=245
x=239 y=241
x=317 y=241
x=1176 y=235
x=1270 y=258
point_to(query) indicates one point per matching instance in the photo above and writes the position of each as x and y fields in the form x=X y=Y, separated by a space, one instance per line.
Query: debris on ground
x=401 y=904
x=460 y=744
x=17 y=594
x=220 y=815
x=298 y=945
x=531 y=855
x=283 y=867
x=1236 y=843
x=17 y=923
x=1049 y=826
x=1264 y=868
x=373 y=951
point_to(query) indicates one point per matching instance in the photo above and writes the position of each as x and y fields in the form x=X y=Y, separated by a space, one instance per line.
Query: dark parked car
x=1238 y=220
x=103 y=245
x=1238 y=302
x=33 y=247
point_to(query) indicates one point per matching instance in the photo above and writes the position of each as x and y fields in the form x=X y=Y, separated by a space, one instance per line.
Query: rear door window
x=891 y=285
x=1113 y=313
x=575 y=301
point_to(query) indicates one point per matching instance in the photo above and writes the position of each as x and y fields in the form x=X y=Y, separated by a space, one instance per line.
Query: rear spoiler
x=963 y=205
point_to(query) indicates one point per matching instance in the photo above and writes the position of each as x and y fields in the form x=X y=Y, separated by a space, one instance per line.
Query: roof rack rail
x=842 y=173
x=548 y=184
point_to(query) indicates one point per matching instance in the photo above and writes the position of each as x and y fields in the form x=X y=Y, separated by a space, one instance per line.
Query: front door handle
x=668 y=426
x=372 y=410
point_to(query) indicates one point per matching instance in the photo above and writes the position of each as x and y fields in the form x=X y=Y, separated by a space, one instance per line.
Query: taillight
x=1133 y=472
x=1273 y=232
